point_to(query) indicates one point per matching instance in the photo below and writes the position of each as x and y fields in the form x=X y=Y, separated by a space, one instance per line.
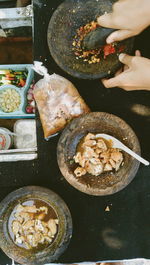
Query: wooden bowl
x=31 y=256
x=97 y=122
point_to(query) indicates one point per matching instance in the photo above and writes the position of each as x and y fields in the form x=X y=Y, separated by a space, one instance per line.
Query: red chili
x=108 y=49
x=22 y=82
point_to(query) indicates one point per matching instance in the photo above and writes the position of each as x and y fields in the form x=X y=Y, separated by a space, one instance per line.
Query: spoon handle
x=139 y=158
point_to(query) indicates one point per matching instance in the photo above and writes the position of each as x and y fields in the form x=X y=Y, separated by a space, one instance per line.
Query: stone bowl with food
x=90 y=163
x=35 y=225
x=68 y=26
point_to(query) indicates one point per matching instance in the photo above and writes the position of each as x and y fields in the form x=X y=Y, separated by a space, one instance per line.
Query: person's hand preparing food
x=129 y=17
x=136 y=74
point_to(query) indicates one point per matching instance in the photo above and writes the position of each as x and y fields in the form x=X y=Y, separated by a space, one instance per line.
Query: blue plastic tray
x=21 y=113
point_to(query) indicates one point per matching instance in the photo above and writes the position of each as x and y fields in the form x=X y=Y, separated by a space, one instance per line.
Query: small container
x=6 y=139
x=25 y=131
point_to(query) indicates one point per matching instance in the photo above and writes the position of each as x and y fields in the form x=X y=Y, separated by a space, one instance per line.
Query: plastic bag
x=58 y=101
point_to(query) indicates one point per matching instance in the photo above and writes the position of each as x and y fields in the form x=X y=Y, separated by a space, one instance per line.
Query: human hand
x=135 y=74
x=129 y=17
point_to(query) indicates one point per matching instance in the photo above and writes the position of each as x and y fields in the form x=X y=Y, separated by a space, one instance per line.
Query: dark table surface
x=124 y=231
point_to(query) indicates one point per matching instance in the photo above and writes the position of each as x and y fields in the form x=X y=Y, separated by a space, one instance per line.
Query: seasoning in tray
x=12 y=77
x=96 y=156
x=92 y=56
x=33 y=224
x=10 y=100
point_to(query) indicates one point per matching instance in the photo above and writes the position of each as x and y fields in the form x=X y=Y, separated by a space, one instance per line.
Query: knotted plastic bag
x=58 y=101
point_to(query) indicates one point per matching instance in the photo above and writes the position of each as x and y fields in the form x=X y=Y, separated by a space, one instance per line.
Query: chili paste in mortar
x=92 y=56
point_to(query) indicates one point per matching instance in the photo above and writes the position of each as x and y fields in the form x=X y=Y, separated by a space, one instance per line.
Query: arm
x=130 y=17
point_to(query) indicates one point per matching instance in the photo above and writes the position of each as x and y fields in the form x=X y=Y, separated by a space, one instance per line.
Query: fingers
x=106 y=21
x=118 y=82
x=125 y=67
x=138 y=53
x=119 y=35
x=112 y=82
x=124 y=79
x=126 y=59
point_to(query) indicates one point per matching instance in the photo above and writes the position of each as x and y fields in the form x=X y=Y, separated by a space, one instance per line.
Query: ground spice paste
x=92 y=56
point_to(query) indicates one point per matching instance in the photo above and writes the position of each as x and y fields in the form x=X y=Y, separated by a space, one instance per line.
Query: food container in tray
x=20 y=112
x=20 y=142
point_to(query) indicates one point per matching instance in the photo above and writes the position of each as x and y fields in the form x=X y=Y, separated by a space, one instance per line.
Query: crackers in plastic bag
x=58 y=101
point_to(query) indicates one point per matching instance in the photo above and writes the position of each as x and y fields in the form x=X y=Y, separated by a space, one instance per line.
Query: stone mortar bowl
x=65 y=21
x=97 y=122
x=52 y=251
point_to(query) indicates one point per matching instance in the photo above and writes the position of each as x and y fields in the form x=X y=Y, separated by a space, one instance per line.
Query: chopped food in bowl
x=89 y=162
x=32 y=224
x=35 y=227
x=10 y=100
x=95 y=156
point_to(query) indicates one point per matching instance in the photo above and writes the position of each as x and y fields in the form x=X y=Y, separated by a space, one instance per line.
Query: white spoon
x=119 y=145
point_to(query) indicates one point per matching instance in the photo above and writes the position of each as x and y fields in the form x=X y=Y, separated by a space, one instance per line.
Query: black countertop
x=124 y=232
